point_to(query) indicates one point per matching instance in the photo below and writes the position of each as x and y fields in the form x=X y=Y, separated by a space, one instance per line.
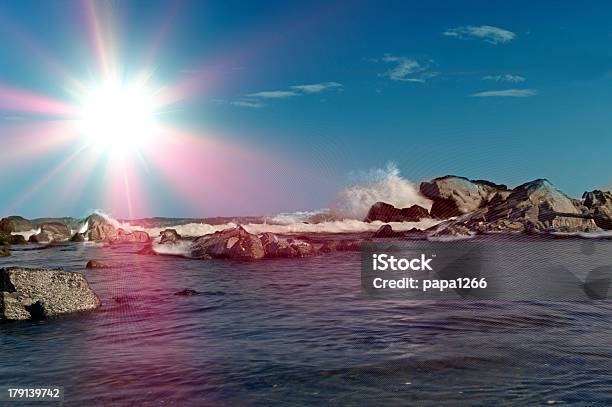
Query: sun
x=118 y=118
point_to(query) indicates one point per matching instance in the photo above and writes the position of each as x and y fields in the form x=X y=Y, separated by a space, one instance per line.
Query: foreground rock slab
x=27 y=293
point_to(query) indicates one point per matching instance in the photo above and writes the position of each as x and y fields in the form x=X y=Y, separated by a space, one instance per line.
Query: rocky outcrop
x=343 y=245
x=4 y=251
x=100 y=229
x=51 y=232
x=599 y=204
x=235 y=243
x=534 y=207
x=136 y=236
x=13 y=224
x=8 y=239
x=456 y=196
x=385 y=212
x=169 y=236
x=287 y=248
x=387 y=231
x=43 y=293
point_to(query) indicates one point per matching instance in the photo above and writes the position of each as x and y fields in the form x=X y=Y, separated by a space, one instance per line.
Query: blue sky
x=508 y=91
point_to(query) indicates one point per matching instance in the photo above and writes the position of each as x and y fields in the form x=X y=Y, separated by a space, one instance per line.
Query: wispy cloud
x=505 y=78
x=255 y=99
x=273 y=94
x=488 y=33
x=513 y=93
x=316 y=87
x=407 y=69
x=248 y=103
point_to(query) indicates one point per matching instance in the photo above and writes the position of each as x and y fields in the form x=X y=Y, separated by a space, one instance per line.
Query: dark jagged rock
x=51 y=232
x=456 y=196
x=12 y=224
x=43 y=293
x=235 y=243
x=78 y=237
x=95 y=264
x=4 y=251
x=187 y=293
x=599 y=204
x=385 y=212
x=8 y=239
x=387 y=231
x=169 y=236
x=288 y=248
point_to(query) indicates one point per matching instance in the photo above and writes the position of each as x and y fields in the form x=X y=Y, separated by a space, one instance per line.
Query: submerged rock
x=385 y=212
x=234 y=243
x=51 y=232
x=187 y=293
x=12 y=224
x=95 y=264
x=4 y=251
x=456 y=196
x=43 y=293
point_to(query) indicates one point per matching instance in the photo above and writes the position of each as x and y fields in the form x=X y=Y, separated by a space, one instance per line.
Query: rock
x=341 y=246
x=95 y=264
x=387 y=231
x=169 y=236
x=456 y=196
x=51 y=232
x=534 y=207
x=137 y=236
x=275 y=247
x=43 y=293
x=99 y=229
x=187 y=293
x=4 y=251
x=385 y=212
x=8 y=239
x=12 y=224
x=599 y=204
x=234 y=243
x=78 y=237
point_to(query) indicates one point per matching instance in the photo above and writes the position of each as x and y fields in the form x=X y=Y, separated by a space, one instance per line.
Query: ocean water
x=299 y=333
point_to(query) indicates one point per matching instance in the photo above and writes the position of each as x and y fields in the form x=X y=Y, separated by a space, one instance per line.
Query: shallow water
x=298 y=332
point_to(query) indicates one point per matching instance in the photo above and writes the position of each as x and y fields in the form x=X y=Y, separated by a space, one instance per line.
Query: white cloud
x=505 y=78
x=248 y=103
x=407 y=70
x=273 y=94
x=514 y=93
x=316 y=87
x=488 y=33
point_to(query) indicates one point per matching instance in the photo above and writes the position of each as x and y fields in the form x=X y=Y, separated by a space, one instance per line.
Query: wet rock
x=287 y=248
x=599 y=204
x=387 y=231
x=4 y=251
x=78 y=237
x=385 y=212
x=27 y=293
x=169 y=236
x=456 y=196
x=99 y=229
x=51 y=232
x=136 y=236
x=12 y=224
x=234 y=243
x=8 y=239
x=95 y=264
x=341 y=246
x=187 y=293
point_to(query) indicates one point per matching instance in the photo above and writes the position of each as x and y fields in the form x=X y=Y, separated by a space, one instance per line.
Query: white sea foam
x=587 y=235
x=28 y=233
x=181 y=248
x=376 y=185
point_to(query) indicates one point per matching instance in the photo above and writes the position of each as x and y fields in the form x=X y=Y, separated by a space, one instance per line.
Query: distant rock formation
x=13 y=224
x=456 y=196
x=385 y=212
x=43 y=293
x=387 y=231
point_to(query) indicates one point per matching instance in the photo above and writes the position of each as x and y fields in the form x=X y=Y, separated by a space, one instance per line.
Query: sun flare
x=118 y=118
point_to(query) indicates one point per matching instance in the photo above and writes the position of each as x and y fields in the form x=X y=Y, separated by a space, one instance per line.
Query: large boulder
x=9 y=239
x=100 y=229
x=385 y=212
x=43 y=293
x=287 y=248
x=51 y=232
x=136 y=236
x=13 y=224
x=234 y=243
x=456 y=196
x=599 y=204
x=169 y=236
